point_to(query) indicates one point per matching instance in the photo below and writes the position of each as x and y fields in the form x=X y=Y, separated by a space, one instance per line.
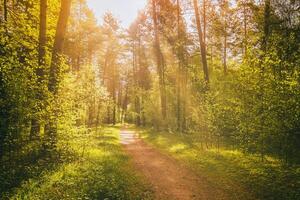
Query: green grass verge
x=98 y=170
x=239 y=175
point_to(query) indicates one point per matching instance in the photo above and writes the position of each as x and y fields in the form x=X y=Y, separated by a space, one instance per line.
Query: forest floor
x=144 y=164
x=91 y=165
x=168 y=177
x=218 y=173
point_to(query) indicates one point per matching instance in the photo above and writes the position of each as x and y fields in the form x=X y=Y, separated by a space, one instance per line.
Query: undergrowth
x=241 y=176
x=94 y=168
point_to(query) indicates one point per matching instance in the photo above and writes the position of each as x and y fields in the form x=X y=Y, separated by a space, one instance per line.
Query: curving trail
x=169 y=179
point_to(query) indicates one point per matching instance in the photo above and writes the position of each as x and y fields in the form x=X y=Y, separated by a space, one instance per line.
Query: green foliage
x=94 y=168
x=108 y=75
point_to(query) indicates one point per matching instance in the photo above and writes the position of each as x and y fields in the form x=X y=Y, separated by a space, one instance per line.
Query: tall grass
x=97 y=168
x=241 y=176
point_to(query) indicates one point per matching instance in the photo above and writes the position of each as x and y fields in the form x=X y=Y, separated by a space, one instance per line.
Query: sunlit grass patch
x=241 y=176
x=177 y=147
x=100 y=170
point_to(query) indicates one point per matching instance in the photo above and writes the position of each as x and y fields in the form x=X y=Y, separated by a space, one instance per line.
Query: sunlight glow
x=177 y=148
x=125 y=10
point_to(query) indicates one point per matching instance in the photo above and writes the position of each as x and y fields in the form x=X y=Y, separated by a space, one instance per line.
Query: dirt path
x=169 y=179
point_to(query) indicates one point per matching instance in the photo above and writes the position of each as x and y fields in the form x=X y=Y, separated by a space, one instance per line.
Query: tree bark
x=58 y=45
x=35 y=125
x=114 y=102
x=5 y=10
x=204 y=21
x=51 y=127
x=160 y=62
x=224 y=15
x=42 y=37
x=179 y=79
x=266 y=35
x=225 y=52
x=245 y=29
x=202 y=44
x=267 y=13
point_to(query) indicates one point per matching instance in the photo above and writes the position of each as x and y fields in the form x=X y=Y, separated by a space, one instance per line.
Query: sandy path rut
x=169 y=179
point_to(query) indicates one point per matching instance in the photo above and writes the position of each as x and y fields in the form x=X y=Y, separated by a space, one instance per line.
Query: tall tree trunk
x=182 y=71
x=160 y=62
x=114 y=93
x=120 y=97
x=245 y=28
x=179 y=71
x=135 y=63
x=139 y=79
x=58 y=45
x=42 y=38
x=79 y=61
x=224 y=15
x=35 y=125
x=5 y=10
x=138 y=110
x=204 y=22
x=143 y=111
x=98 y=115
x=108 y=114
x=54 y=76
x=114 y=109
x=225 y=53
x=202 y=44
x=267 y=13
x=266 y=35
x=124 y=105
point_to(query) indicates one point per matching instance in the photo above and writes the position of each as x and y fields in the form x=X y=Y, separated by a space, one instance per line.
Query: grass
x=96 y=169
x=239 y=175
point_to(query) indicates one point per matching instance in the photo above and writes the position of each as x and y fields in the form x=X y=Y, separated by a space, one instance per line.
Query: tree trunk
x=139 y=84
x=225 y=53
x=58 y=45
x=114 y=91
x=135 y=64
x=202 y=44
x=143 y=112
x=204 y=22
x=245 y=29
x=98 y=116
x=179 y=71
x=51 y=128
x=108 y=121
x=124 y=105
x=5 y=10
x=160 y=63
x=35 y=125
x=42 y=37
x=267 y=13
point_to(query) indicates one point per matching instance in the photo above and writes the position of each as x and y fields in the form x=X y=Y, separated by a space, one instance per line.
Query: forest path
x=169 y=179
